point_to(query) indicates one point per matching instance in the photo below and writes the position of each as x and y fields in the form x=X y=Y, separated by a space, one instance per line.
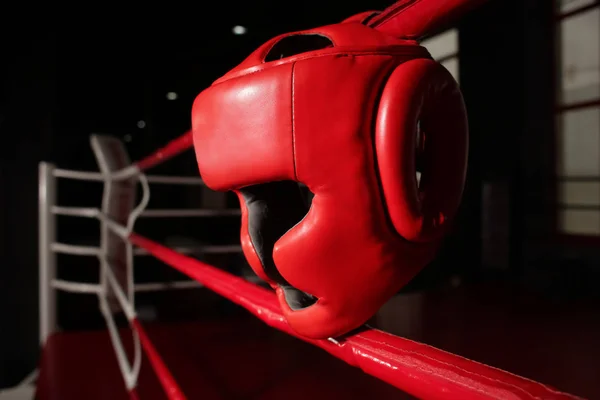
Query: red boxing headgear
x=338 y=109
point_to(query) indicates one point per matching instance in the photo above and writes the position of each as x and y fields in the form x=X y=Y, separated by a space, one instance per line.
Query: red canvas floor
x=240 y=359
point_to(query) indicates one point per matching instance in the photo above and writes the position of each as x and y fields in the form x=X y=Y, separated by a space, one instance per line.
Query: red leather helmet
x=351 y=111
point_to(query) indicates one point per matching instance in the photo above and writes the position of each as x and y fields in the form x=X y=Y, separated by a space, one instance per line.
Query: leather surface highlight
x=229 y=120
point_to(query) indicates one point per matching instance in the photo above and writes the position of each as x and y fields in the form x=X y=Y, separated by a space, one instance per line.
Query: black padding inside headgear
x=273 y=209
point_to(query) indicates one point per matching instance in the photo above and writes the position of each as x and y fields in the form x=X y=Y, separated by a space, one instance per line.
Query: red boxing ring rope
x=167 y=381
x=172 y=148
x=418 y=369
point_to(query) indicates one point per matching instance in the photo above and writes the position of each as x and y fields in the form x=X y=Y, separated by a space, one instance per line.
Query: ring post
x=47 y=258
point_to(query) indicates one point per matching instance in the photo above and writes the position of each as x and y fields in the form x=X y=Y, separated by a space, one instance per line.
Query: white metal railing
x=156 y=213
x=47 y=257
x=76 y=287
x=98 y=177
x=49 y=248
x=189 y=213
x=75 y=250
x=75 y=211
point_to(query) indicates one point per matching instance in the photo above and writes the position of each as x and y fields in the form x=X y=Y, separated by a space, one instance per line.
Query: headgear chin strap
x=352 y=112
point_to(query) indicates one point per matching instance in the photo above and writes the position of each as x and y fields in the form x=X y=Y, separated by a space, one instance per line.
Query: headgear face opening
x=350 y=112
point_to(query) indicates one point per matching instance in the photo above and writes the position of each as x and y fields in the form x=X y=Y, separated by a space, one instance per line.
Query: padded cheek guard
x=342 y=119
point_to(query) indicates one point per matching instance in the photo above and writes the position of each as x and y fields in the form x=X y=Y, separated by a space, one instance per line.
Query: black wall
x=26 y=127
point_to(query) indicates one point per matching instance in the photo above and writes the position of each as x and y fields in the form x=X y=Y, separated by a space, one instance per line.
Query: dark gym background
x=65 y=78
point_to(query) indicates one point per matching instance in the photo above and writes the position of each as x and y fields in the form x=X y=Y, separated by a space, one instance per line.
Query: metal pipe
x=78 y=175
x=98 y=177
x=47 y=257
x=165 y=213
x=75 y=250
x=76 y=211
x=76 y=287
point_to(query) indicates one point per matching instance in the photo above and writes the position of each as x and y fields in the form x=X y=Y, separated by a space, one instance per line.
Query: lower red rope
x=416 y=368
x=133 y=395
x=167 y=381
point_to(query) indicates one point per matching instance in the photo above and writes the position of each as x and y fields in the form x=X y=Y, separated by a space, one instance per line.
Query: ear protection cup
x=421 y=95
